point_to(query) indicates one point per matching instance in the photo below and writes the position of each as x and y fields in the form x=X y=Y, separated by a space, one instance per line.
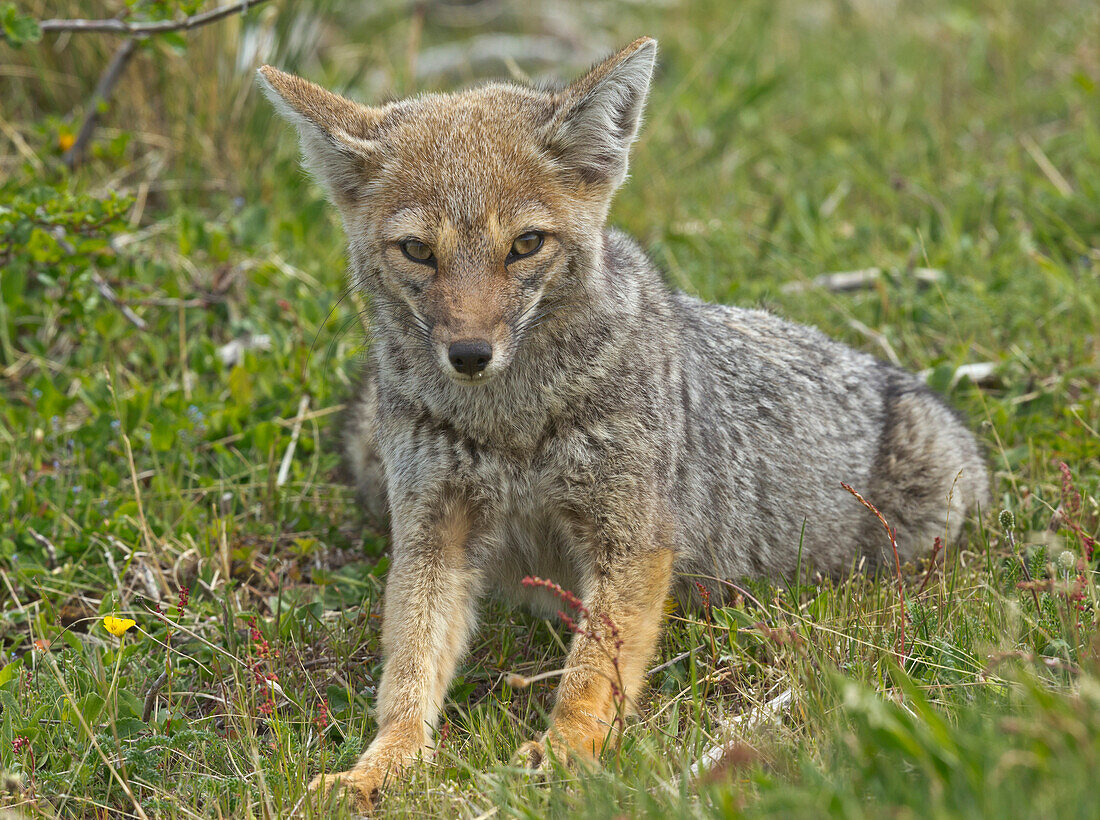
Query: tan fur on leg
x=428 y=617
x=603 y=683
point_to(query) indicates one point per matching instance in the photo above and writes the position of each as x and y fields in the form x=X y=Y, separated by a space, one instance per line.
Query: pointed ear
x=335 y=133
x=599 y=115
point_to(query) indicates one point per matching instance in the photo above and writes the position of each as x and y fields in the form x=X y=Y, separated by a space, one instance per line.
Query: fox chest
x=529 y=512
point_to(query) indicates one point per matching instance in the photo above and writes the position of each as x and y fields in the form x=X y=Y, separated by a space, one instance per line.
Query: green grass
x=783 y=140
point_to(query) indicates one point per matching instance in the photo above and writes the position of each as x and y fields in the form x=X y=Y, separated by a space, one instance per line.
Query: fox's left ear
x=338 y=136
x=599 y=115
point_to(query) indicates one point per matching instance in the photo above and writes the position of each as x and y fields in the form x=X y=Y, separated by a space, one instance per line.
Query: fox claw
x=361 y=786
x=537 y=756
x=530 y=755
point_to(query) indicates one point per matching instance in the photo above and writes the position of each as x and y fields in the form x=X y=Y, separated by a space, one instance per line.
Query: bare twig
x=980 y=373
x=135 y=33
x=878 y=337
x=517 y=681
x=151 y=696
x=108 y=293
x=845 y=281
x=662 y=666
x=897 y=562
x=767 y=712
x=168 y=302
x=754 y=717
x=46 y=544
x=937 y=545
x=102 y=93
x=101 y=284
x=116 y=26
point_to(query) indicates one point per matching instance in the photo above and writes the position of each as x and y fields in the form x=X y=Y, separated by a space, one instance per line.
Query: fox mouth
x=470 y=381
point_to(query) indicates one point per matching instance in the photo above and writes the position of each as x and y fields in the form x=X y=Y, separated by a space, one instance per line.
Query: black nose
x=470 y=356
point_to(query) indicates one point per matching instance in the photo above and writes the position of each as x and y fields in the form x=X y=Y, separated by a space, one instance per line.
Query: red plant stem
x=937 y=545
x=897 y=562
x=1070 y=510
x=609 y=640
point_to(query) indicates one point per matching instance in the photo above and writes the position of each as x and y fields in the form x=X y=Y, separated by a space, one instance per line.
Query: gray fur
x=744 y=424
x=622 y=440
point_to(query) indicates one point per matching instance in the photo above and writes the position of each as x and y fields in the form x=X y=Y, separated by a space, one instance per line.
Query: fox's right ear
x=337 y=135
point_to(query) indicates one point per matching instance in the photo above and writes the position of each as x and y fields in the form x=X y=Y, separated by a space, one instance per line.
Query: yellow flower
x=65 y=141
x=117 y=626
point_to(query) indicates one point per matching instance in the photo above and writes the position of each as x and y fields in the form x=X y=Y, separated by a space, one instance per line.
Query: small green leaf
x=18 y=28
x=128 y=727
x=240 y=386
x=732 y=619
x=163 y=437
x=88 y=707
x=8 y=672
x=263 y=436
x=129 y=705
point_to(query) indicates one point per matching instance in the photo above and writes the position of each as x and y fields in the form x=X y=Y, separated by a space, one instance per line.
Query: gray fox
x=538 y=402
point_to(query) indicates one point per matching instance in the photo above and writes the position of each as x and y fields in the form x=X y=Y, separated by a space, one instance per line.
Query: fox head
x=471 y=216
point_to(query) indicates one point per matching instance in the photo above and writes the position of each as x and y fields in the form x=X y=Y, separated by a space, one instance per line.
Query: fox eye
x=417 y=251
x=526 y=244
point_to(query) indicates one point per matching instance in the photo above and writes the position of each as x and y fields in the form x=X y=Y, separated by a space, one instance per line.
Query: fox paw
x=363 y=786
x=539 y=756
x=535 y=756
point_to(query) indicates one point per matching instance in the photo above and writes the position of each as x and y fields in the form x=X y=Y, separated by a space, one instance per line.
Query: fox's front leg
x=428 y=615
x=605 y=670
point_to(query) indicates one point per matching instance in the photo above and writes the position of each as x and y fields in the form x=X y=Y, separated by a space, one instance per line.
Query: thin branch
x=288 y=456
x=116 y=26
x=102 y=93
x=937 y=545
x=764 y=713
x=135 y=32
x=171 y=302
x=151 y=696
x=108 y=293
x=663 y=666
x=47 y=544
x=101 y=284
x=712 y=758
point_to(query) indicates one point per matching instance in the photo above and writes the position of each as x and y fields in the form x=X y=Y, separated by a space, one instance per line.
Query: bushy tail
x=930 y=474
